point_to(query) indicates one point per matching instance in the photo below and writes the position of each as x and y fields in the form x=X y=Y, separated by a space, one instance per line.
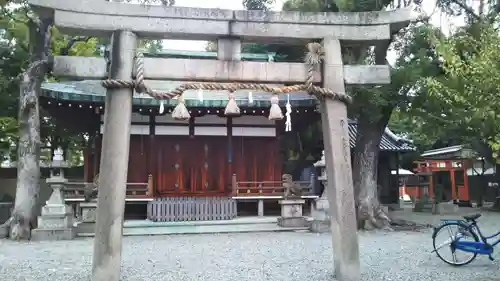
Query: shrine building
x=200 y=168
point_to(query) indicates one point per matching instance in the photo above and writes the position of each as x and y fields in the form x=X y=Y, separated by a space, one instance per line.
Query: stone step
x=203 y=229
x=236 y=221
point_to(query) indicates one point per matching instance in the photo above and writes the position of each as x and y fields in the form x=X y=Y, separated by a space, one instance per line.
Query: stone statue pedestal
x=56 y=220
x=89 y=211
x=321 y=208
x=321 y=215
x=291 y=213
x=89 y=216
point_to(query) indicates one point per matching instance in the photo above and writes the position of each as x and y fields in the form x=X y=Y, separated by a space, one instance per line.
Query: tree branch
x=71 y=43
x=467 y=9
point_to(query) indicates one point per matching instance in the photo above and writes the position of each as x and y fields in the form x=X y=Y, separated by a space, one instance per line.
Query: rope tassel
x=162 y=108
x=313 y=60
x=288 y=114
x=232 y=108
x=275 y=111
x=180 y=111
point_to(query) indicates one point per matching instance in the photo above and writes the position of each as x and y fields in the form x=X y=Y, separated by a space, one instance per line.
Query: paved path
x=401 y=256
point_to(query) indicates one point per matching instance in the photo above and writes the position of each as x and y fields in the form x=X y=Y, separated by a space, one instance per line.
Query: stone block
x=445 y=208
x=89 y=211
x=321 y=215
x=55 y=221
x=291 y=208
x=85 y=227
x=47 y=234
x=320 y=226
x=292 y=222
x=422 y=206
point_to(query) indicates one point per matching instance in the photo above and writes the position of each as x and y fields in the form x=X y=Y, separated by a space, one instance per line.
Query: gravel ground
x=270 y=256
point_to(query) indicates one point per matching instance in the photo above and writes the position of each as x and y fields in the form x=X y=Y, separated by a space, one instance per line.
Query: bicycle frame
x=483 y=247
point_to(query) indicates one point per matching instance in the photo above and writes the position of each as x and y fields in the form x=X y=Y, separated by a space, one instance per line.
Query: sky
x=437 y=19
x=221 y=4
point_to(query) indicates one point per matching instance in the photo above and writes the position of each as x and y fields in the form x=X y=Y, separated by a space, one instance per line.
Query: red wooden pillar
x=464 y=195
x=152 y=154
x=229 y=174
x=454 y=187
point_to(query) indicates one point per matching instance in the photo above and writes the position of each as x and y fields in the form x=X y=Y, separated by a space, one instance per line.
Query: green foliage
x=151 y=46
x=84 y=48
x=262 y=5
x=467 y=95
x=15 y=56
x=310 y=6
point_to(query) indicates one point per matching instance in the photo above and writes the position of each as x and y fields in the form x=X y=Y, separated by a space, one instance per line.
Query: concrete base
x=55 y=223
x=291 y=213
x=445 y=208
x=47 y=234
x=321 y=216
x=422 y=206
x=292 y=222
x=237 y=225
x=318 y=226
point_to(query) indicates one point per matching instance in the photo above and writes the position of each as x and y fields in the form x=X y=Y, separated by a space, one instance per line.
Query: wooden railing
x=135 y=190
x=265 y=188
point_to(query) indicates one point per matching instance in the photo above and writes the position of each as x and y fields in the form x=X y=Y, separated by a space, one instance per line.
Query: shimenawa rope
x=313 y=59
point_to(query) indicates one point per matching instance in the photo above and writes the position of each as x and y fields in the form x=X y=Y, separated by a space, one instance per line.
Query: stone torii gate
x=125 y=23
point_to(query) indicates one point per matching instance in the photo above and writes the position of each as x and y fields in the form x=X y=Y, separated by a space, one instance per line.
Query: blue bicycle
x=463 y=237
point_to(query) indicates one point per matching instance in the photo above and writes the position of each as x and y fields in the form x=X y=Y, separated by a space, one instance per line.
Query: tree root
x=371 y=216
x=15 y=229
x=405 y=225
x=5 y=228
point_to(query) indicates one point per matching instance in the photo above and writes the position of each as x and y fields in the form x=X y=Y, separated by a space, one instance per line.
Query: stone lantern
x=56 y=220
x=321 y=208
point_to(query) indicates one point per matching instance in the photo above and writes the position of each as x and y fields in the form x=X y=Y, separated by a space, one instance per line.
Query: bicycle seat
x=472 y=217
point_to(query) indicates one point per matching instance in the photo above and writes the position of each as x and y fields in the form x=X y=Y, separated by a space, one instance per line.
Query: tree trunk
x=365 y=170
x=28 y=165
x=19 y=226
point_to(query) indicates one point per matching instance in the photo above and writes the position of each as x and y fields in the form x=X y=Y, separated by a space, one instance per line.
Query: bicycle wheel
x=453 y=231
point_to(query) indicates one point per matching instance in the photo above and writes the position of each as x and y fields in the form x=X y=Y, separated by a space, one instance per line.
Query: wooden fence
x=192 y=209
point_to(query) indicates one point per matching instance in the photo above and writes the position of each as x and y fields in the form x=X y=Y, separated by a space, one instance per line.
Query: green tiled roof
x=209 y=55
x=92 y=91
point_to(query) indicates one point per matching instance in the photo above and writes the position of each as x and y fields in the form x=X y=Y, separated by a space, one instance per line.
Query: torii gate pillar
x=338 y=168
x=106 y=262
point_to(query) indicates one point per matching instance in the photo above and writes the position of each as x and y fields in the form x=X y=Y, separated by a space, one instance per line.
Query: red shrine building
x=176 y=167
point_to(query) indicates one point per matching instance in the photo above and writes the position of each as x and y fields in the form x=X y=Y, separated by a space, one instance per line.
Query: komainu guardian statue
x=291 y=189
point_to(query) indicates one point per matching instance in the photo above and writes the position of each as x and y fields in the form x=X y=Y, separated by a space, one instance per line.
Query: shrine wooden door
x=191 y=166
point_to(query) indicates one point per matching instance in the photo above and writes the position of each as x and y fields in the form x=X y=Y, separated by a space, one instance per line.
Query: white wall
x=261 y=126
